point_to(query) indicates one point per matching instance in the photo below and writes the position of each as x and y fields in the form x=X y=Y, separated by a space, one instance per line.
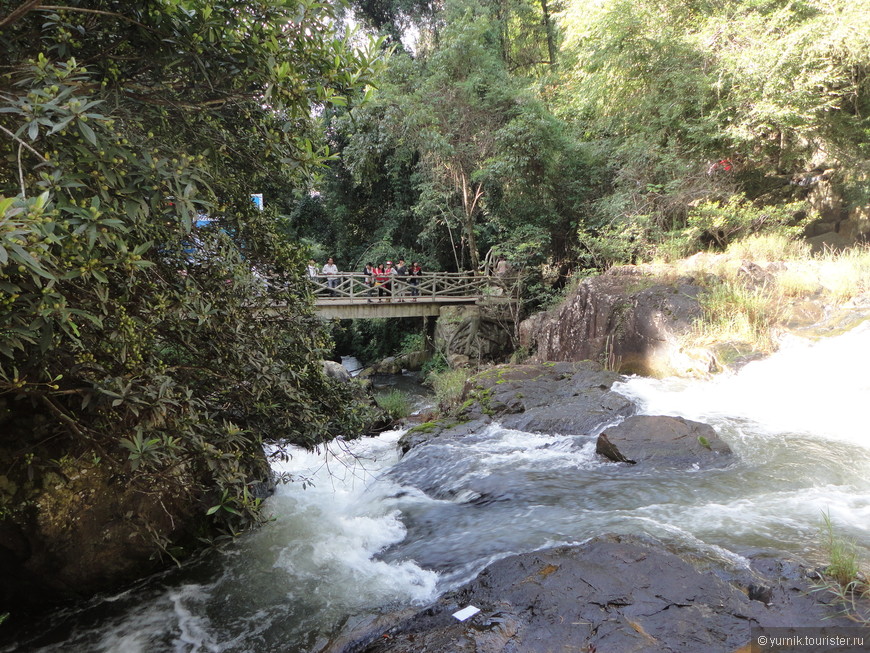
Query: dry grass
x=768 y=248
x=737 y=313
x=845 y=275
x=753 y=285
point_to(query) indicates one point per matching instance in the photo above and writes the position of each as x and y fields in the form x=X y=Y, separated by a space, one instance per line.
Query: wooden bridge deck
x=350 y=295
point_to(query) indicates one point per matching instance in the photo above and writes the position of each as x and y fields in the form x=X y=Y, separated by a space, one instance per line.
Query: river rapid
x=355 y=534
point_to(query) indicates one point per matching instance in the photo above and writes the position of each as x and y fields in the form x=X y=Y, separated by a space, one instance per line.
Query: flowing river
x=356 y=535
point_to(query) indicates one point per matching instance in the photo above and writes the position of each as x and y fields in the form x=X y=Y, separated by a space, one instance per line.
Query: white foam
x=818 y=388
x=499 y=447
x=331 y=531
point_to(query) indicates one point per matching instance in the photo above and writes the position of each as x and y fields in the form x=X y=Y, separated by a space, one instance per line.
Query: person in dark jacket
x=401 y=275
x=369 y=280
x=415 y=272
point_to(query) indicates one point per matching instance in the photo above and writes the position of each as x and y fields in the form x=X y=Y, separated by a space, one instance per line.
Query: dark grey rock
x=565 y=398
x=626 y=317
x=613 y=593
x=446 y=428
x=671 y=441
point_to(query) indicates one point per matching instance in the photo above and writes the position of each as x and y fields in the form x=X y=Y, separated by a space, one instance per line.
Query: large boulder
x=336 y=371
x=663 y=440
x=610 y=594
x=625 y=319
x=565 y=398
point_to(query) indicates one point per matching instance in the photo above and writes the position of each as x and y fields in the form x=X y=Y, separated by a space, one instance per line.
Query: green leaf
x=87 y=132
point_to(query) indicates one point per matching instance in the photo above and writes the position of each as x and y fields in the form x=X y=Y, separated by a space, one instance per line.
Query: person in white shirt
x=330 y=270
x=312 y=269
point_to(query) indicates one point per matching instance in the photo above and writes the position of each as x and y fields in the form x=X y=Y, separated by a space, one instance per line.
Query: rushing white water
x=820 y=389
x=374 y=532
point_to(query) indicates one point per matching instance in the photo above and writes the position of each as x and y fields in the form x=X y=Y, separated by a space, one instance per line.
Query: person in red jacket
x=382 y=280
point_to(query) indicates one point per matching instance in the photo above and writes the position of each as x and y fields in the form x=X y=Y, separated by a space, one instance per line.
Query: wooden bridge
x=349 y=295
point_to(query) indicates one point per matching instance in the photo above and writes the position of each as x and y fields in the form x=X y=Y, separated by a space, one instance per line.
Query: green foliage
x=843 y=566
x=664 y=90
x=721 y=223
x=843 y=579
x=412 y=342
x=128 y=334
x=434 y=366
x=448 y=386
x=374 y=339
x=456 y=153
x=395 y=403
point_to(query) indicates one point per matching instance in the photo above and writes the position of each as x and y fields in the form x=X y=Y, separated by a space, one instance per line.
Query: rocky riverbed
x=614 y=593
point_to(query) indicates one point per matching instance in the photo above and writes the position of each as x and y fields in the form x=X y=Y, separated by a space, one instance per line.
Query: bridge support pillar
x=429 y=323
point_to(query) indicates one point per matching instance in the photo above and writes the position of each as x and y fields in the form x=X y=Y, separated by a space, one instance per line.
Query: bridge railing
x=431 y=285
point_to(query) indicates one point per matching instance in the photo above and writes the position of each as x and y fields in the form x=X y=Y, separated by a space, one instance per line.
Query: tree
x=665 y=90
x=135 y=345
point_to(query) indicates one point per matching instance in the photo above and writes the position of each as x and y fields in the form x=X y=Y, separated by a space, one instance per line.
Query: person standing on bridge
x=382 y=279
x=401 y=273
x=330 y=270
x=415 y=272
x=389 y=273
x=369 y=280
x=312 y=269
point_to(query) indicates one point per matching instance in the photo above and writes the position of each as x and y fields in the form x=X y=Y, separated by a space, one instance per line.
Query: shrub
x=435 y=365
x=843 y=577
x=395 y=403
x=412 y=342
x=448 y=386
x=721 y=223
x=735 y=312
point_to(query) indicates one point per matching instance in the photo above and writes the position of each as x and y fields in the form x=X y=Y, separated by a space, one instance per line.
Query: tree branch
x=96 y=11
x=23 y=143
x=23 y=9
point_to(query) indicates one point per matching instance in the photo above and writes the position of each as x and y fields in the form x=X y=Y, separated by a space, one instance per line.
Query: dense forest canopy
x=550 y=131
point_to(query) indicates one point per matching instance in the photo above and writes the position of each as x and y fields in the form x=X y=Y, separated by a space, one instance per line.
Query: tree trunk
x=551 y=37
x=470 y=198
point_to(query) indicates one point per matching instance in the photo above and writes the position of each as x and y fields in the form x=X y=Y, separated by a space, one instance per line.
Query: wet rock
x=415 y=360
x=565 y=398
x=611 y=594
x=390 y=365
x=663 y=440
x=761 y=593
x=446 y=428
